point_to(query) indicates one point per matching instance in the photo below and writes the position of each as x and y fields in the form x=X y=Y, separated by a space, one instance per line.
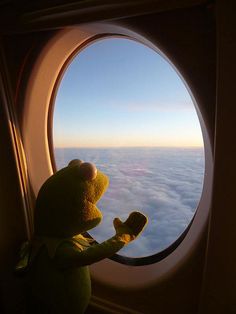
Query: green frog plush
x=59 y=255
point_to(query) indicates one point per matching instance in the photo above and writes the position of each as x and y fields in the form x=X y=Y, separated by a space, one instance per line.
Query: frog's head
x=66 y=203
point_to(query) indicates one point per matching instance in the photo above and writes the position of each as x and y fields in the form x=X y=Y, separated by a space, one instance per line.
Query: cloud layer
x=163 y=183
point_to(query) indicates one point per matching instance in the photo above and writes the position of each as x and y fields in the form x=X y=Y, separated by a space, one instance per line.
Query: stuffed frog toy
x=59 y=254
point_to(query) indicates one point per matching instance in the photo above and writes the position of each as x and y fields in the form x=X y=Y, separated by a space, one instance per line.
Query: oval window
x=122 y=106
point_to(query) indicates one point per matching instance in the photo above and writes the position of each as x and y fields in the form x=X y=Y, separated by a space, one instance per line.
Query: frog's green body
x=59 y=280
x=53 y=289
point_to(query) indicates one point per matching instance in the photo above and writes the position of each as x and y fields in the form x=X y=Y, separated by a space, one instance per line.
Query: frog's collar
x=30 y=249
x=53 y=243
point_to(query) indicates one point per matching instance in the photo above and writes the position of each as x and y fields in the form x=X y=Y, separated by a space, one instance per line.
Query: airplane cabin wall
x=12 y=220
x=219 y=289
x=188 y=38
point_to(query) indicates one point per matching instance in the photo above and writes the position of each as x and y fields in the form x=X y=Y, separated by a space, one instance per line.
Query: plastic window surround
x=39 y=95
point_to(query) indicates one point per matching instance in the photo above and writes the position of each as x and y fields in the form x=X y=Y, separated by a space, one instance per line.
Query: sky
x=117 y=93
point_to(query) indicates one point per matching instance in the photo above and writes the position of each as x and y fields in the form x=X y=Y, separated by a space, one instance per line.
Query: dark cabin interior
x=199 y=37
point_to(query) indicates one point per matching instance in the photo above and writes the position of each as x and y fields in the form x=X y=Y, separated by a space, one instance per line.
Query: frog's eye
x=75 y=162
x=87 y=171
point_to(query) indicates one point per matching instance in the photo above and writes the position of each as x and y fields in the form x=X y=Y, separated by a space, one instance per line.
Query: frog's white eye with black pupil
x=87 y=171
x=75 y=162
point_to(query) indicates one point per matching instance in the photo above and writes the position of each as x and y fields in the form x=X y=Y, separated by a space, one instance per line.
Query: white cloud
x=165 y=184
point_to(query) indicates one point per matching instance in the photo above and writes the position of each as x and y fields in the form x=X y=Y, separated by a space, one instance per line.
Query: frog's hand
x=68 y=256
x=132 y=227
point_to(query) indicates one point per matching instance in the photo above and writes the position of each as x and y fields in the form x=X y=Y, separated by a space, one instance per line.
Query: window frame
x=38 y=144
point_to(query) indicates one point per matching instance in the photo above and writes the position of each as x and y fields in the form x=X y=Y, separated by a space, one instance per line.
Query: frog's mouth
x=90 y=217
x=90 y=224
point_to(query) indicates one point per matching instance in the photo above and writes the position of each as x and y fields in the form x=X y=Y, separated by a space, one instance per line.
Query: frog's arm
x=67 y=256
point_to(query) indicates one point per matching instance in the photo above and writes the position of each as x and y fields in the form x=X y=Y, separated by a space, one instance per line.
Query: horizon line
x=102 y=147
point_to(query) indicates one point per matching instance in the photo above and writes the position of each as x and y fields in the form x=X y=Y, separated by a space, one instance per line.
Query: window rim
x=126 y=260
x=181 y=248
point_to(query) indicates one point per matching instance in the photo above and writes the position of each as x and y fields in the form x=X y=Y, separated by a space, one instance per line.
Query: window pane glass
x=122 y=106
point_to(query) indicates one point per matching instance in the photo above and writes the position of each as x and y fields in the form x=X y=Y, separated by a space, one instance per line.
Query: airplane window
x=122 y=106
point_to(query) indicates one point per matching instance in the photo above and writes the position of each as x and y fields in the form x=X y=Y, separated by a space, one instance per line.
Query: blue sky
x=117 y=92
